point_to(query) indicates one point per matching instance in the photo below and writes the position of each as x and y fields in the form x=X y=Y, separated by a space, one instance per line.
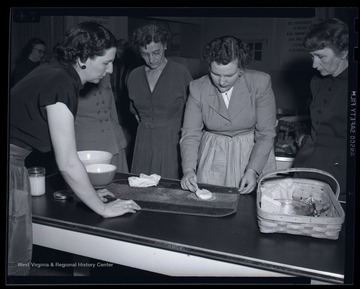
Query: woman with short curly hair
x=43 y=107
x=229 y=123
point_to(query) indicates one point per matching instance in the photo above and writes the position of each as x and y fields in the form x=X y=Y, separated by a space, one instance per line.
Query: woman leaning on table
x=42 y=112
x=229 y=123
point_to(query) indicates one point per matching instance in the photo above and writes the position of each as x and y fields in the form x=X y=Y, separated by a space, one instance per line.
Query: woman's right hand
x=189 y=181
x=119 y=207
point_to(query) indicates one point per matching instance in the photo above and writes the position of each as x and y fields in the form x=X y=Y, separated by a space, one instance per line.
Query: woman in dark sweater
x=43 y=107
x=325 y=148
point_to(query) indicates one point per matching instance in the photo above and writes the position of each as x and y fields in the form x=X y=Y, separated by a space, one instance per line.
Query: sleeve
x=191 y=130
x=186 y=79
x=60 y=90
x=116 y=127
x=130 y=85
x=265 y=129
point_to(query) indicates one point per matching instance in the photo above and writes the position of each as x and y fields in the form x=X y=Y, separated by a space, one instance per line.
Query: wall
x=51 y=29
x=117 y=25
x=48 y=28
x=184 y=41
x=290 y=74
x=290 y=69
x=283 y=56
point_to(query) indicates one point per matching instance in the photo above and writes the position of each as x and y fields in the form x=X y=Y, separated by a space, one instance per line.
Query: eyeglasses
x=40 y=51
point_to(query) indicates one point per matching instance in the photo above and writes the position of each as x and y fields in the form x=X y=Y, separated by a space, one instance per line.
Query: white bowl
x=95 y=157
x=284 y=163
x=101 y=175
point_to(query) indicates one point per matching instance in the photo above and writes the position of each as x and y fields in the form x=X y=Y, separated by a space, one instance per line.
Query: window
x=256 y=49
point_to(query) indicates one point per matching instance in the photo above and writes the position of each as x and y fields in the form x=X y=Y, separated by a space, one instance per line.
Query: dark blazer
x=96 y=124
x=326 y=147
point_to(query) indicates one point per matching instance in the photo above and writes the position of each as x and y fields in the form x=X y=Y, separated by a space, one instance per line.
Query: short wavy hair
x=84 y=40
x=226 y=49
x=146 y=34
x=332 y=33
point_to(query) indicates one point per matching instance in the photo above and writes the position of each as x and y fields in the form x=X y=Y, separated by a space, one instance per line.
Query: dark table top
x=235 y=238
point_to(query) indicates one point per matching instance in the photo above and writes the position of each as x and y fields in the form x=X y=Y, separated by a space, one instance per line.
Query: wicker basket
x=328 y=226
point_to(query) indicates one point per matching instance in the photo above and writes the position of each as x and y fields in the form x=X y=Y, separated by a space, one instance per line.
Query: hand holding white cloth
x=144 y=180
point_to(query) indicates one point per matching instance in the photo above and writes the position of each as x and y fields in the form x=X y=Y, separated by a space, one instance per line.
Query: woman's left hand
x=103 y=193
x=248 y=182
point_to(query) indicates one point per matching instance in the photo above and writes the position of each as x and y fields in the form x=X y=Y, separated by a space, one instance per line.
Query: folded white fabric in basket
x=270 y=205
x=271 y=192
x=144 y=181
x=279 y=190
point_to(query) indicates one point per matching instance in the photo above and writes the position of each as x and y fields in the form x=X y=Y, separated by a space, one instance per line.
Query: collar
x=70 y=68
x=344 y=74
x=229 y=92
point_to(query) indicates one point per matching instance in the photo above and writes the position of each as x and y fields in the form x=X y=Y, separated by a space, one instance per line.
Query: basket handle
x=291 y=170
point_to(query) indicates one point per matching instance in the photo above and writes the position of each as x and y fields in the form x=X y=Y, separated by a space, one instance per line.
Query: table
x=184 y=245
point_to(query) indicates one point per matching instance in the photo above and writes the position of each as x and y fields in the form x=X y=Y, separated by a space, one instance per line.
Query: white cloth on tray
x=144 y=181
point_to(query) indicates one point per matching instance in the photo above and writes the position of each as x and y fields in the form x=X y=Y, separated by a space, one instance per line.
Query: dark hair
x=30 y=46
x=84 y=40
x=225 y=49
x=150 y=33
x=332 y=33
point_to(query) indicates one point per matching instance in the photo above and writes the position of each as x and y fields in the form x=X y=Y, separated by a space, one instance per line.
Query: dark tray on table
x=170 y=198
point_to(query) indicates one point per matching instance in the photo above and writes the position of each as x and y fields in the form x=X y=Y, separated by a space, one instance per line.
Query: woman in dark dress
x=158 y=91
x=325 y=148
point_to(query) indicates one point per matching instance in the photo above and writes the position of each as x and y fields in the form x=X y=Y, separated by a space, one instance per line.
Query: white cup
x=37 y=180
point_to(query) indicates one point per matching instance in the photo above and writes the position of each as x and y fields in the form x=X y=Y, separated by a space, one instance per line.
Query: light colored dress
x=220 y=143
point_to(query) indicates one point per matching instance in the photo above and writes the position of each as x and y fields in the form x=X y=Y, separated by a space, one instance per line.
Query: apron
x=19 y=224
x=223 y=159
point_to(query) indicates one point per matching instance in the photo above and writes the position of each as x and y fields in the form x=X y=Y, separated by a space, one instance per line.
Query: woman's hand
x=189 y=181
x=248 y=182
x=119 y=207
